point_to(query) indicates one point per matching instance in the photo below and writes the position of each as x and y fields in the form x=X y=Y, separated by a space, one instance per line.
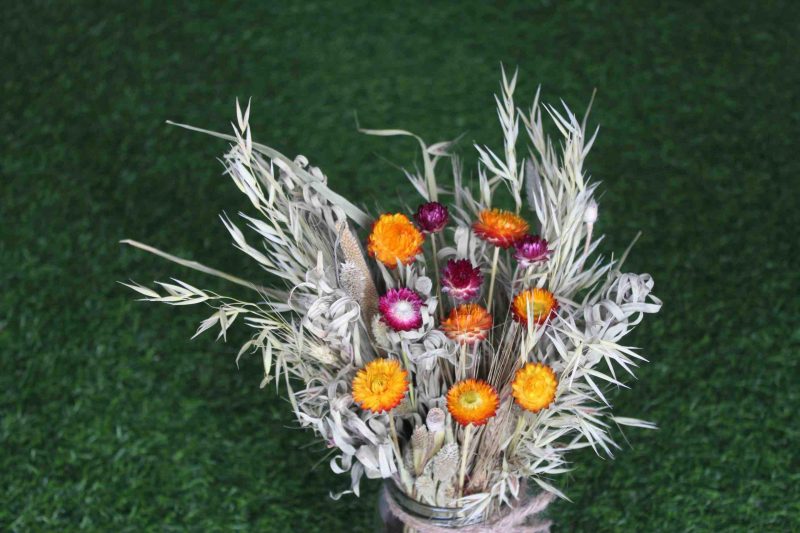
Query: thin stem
x=396 y=445
x=356 y=215
x=589 y=228
x=462 y=362
x=523 y=356
x=438 y=282
x=194 y=265
x=411 y=394
x=464 y=449
x=514 y=277
x=491 y=279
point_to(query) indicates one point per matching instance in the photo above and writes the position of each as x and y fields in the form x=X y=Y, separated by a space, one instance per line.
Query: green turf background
x=113 y=420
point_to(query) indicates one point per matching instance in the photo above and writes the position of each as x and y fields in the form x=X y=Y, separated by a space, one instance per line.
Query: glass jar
x=443 y=517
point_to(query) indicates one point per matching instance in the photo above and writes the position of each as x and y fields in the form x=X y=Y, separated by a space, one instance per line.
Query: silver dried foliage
x=315 y=331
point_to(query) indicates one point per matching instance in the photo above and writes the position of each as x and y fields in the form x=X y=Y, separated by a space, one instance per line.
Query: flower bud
x=432 y=217
x=435 y=420
x=590 y=215
x=531 y=249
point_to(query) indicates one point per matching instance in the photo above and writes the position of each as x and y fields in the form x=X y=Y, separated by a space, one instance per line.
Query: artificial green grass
x=113 y=420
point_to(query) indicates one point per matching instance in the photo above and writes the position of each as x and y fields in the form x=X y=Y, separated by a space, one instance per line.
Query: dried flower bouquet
x=459 y=350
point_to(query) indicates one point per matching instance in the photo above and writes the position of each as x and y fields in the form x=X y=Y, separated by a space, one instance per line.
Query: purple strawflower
x=461 y=280
x=432 y=217
x=531 y=249
x=400 y=309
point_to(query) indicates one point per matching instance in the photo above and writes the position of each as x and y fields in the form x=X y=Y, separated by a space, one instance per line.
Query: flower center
x=470 y=399
x=534 y=387
x=378 y=384
x=461 y=278
x=404 y=310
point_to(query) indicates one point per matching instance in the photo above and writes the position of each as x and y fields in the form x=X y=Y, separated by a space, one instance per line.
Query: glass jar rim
x=436 y=515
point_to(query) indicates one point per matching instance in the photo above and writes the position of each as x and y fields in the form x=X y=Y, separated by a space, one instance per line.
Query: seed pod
x=419 y=447
x=445 y=463
x=436 y=421
x=352 y=280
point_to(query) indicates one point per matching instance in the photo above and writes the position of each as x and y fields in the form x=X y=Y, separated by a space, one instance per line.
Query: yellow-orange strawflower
x=534 y=386
x=380 y=385
x=499 y=227
x=540 y=302
x=467 y=324
x=472 y=401
x=394 y=238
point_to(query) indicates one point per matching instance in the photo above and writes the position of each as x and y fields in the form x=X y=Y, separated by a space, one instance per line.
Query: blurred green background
x=113 y=420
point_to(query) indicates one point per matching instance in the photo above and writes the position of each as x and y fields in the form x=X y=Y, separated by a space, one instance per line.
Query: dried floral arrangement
x=454 y=349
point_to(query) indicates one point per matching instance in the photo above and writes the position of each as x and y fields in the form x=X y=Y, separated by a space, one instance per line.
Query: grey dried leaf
x=321 y=353
x=424 y=285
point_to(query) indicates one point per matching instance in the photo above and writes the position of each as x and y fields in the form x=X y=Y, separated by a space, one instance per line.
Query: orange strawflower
x=380 y=386
x=540 y=301
x=467 y=324
x=394 y=238
x=499 y=227
x=472 y=401
x=534 y=387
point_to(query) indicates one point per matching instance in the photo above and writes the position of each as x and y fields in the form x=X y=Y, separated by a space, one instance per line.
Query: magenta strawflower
x=461 y=280
x=432 y=217
x=531 y=249
x=400 y=309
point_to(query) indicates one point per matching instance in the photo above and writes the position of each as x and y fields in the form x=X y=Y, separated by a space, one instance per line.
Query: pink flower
x=461 y=280
x=400 y=309
x=432 y=217
x=531 y=249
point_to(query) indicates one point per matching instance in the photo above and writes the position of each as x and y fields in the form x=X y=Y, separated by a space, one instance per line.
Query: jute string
x=521 y=518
